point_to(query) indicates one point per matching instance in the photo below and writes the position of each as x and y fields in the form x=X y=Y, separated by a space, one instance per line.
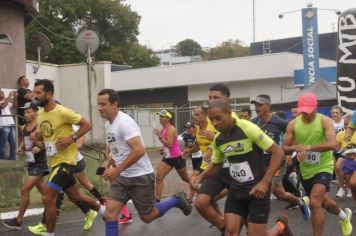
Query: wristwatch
x=75 y=137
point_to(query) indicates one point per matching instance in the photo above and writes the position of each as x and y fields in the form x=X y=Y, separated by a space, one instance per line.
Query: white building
x=169 y=58
x=146 y=90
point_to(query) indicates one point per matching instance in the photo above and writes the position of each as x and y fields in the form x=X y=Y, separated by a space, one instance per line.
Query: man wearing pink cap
x=311 y=136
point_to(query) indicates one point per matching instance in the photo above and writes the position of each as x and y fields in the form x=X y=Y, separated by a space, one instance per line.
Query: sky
x=164 y=23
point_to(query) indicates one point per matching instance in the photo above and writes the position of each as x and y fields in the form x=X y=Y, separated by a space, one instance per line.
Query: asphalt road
x=175 y=223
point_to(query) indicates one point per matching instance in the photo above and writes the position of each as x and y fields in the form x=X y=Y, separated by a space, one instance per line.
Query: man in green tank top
x=311 y=136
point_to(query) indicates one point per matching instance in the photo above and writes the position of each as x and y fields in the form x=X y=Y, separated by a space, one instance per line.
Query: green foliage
x=188 y=47
x=227 y=49
x=114 y=22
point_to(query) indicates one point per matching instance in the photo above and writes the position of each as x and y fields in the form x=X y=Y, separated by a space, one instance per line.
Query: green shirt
x=313 y=134
x=244 y=144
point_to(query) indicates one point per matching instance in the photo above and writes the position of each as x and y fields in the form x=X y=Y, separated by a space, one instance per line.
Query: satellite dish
x=41 y=43
x=87 y=42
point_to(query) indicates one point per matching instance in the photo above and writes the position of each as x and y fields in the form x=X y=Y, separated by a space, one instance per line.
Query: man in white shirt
x=7 y=130
x=129 y=169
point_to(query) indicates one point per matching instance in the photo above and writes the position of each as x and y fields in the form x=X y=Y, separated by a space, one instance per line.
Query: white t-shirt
x=339 y=126
x=118 y=133
x=6 y=120
x=79 y=155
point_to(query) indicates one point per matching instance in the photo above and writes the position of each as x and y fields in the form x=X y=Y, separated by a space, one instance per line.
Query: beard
x=42 y=103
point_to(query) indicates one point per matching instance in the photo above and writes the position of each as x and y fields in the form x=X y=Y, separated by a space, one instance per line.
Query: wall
x=71 y=89
x=12 y=57
x=260 y=67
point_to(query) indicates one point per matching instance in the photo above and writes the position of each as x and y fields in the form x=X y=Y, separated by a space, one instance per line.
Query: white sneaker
x=340 y=192
x=349 y=193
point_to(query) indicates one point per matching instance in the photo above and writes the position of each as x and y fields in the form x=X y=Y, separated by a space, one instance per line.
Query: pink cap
x=307 y=103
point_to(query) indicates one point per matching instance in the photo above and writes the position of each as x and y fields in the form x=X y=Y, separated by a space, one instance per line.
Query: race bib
x=241 y=171
x=312 y=158
x=30 y=157
x=197 y=154
x=166 y=153
x=51 y=149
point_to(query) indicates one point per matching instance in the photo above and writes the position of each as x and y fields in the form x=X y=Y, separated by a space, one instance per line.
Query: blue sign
x=326 y=73
x=310 y=45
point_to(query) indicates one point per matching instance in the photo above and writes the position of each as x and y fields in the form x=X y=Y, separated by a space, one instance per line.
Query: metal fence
x=147 y=120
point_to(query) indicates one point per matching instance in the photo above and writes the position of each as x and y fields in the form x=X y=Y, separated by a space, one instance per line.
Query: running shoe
x=284 y=220
x=305 y=208
x=12 y=224
x=184 y=204
x=39 y=229
x=346 y=225
x=291 y=206
x=340 y=192
x=125 y=220
x=89 y=219
x=349 y=193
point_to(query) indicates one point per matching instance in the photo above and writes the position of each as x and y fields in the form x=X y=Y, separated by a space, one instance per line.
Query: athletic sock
x=125 y=211
x=96 y=193
x=83 y=207
x=342 y=215
x=165 y=205
x=101 y=210
x=111 y=228
x=281 y=227
x=301 y=202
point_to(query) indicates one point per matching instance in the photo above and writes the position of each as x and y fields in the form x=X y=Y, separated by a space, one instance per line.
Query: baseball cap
x=307 y=103
x=349 y=151
x=262 y=99
x=164 y=113
x=189 y=124
x=28 y=105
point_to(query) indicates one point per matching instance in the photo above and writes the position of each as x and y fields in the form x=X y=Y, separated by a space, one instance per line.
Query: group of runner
x=234 y=158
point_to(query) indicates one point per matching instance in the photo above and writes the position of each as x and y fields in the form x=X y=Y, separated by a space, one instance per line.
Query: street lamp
x=310 y=41
x=5 y=39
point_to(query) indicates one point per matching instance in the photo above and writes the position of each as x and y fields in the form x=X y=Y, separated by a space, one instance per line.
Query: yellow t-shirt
x=234 y=115
x=204 y=143
x=340 y=139
x=58 y=124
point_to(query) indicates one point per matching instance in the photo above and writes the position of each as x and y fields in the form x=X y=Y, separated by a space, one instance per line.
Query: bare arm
x=20 y=147
x=212 y=170
x=330 y=141
x=28 y=95
x=260 y=189
x=85 y=126
x=289 y=138
x=108 y=160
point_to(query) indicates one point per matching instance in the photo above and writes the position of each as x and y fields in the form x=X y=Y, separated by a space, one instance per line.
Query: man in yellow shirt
x=214 y=188
x=55 y=122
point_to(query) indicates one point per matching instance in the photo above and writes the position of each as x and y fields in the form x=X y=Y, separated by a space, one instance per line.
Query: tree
x=114 y=22
x=227 y=49
x=188 y=47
